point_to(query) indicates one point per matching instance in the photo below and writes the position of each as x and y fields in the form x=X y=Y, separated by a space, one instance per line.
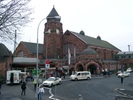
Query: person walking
x=35 y=83
x=41 y=91
x=0 y=86
x=23 y=87
x=122 y=78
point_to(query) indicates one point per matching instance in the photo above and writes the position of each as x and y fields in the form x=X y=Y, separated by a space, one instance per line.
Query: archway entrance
x=92 y=69
x=79 y=67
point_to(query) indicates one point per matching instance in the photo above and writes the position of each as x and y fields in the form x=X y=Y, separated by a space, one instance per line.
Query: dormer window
x=21 y=54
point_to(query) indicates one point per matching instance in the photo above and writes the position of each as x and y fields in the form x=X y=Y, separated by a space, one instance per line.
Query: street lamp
x=37 y=60
x=46 y=55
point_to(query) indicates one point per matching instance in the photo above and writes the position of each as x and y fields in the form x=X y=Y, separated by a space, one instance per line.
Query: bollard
x=80 y=97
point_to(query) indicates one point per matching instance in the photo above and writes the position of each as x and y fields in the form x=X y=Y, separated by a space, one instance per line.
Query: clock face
x=57 y=31
x=49 y=30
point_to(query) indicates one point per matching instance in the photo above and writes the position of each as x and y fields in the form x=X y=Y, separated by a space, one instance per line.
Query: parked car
x=51 y=81
x=118 y=72
x=129 y=70
x=123 y=74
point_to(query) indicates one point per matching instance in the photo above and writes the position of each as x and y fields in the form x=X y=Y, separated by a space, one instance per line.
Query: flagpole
x=69 y=58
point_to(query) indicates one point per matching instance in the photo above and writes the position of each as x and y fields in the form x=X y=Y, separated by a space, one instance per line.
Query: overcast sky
x=112 y=20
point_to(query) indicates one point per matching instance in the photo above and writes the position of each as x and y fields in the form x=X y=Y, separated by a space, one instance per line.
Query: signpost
x=47 y=64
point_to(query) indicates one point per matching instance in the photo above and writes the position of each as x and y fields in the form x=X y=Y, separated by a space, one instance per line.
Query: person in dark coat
x=11 y=79
x=23 y=87
x=122 y=78
x=0 y=86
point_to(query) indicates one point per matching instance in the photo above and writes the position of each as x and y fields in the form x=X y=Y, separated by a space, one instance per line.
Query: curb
x=117 y=90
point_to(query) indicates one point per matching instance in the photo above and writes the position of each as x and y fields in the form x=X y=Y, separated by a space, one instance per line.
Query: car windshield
x=50 y=79
x=75 y=73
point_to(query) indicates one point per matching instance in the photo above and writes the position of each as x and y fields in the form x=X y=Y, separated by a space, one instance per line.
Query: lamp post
x=46 y=56
x=37 y=60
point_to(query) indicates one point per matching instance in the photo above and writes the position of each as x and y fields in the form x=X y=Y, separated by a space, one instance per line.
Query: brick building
x=5 y=60
x=87 y=53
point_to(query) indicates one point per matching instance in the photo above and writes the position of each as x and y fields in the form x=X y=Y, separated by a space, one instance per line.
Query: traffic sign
x=47 y=61
x=47 y=65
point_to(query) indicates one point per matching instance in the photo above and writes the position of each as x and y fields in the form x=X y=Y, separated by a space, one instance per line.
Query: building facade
x=5 y=60
x=74 y=51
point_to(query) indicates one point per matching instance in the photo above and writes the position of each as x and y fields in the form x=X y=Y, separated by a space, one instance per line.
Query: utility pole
x=15 y=39
x=128 y=47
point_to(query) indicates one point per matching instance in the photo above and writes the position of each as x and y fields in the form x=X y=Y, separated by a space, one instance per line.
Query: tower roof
x=53 y=13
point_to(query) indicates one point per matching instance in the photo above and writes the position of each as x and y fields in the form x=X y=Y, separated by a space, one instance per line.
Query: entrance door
x=92 y=69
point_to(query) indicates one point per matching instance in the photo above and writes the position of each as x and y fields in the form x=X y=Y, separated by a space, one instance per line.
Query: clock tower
x=53 y=36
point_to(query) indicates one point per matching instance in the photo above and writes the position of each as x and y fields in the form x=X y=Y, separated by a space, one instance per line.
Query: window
x=21 y=54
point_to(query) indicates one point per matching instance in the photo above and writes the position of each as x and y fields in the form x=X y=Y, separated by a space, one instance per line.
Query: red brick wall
x=54 y=45
x=21 y=47
x=70 y=38
x=5 y=65
x=102 y=52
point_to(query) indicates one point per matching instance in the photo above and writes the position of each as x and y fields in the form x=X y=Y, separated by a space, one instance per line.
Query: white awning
x=24 y=60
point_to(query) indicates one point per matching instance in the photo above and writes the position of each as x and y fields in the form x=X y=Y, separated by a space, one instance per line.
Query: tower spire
x=53 y=12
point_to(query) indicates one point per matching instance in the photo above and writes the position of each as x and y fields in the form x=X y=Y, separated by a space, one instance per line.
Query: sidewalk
x=14 y=93
x=126 y=92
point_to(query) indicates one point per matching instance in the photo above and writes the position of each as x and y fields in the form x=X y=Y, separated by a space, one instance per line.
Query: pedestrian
x=0 y=86
x=41 y=92
x=11 y=79
x=122 y=77
x=23 y=87
x=34 y=82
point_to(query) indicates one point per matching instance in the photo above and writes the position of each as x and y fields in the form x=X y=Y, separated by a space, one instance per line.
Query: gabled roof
x=4 y=51
x=32 y=47
x=53 y=13
x=94 y=41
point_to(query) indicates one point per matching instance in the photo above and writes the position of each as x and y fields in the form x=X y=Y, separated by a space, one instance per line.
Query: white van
x=15 y=75
x=81 y=75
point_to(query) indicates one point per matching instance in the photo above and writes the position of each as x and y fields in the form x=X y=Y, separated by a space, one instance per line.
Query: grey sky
x=110 y=19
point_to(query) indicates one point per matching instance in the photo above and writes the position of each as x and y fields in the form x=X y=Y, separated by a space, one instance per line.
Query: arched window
x=74 y=50
x=21 y=54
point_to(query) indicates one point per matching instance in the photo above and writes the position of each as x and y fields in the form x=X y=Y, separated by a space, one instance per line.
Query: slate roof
x=32 y=47
x=125 y=53
x=53 y=13
x=110 y=61
x=4 y=51
x=94 y=41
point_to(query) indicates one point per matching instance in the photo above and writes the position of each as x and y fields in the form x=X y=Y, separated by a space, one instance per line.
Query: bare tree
x=14 y=14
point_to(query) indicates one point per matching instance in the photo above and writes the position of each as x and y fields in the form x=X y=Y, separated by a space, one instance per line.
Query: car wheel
x=76 y=79
x=60 y=82
x=88 y=78
x=51 y=85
